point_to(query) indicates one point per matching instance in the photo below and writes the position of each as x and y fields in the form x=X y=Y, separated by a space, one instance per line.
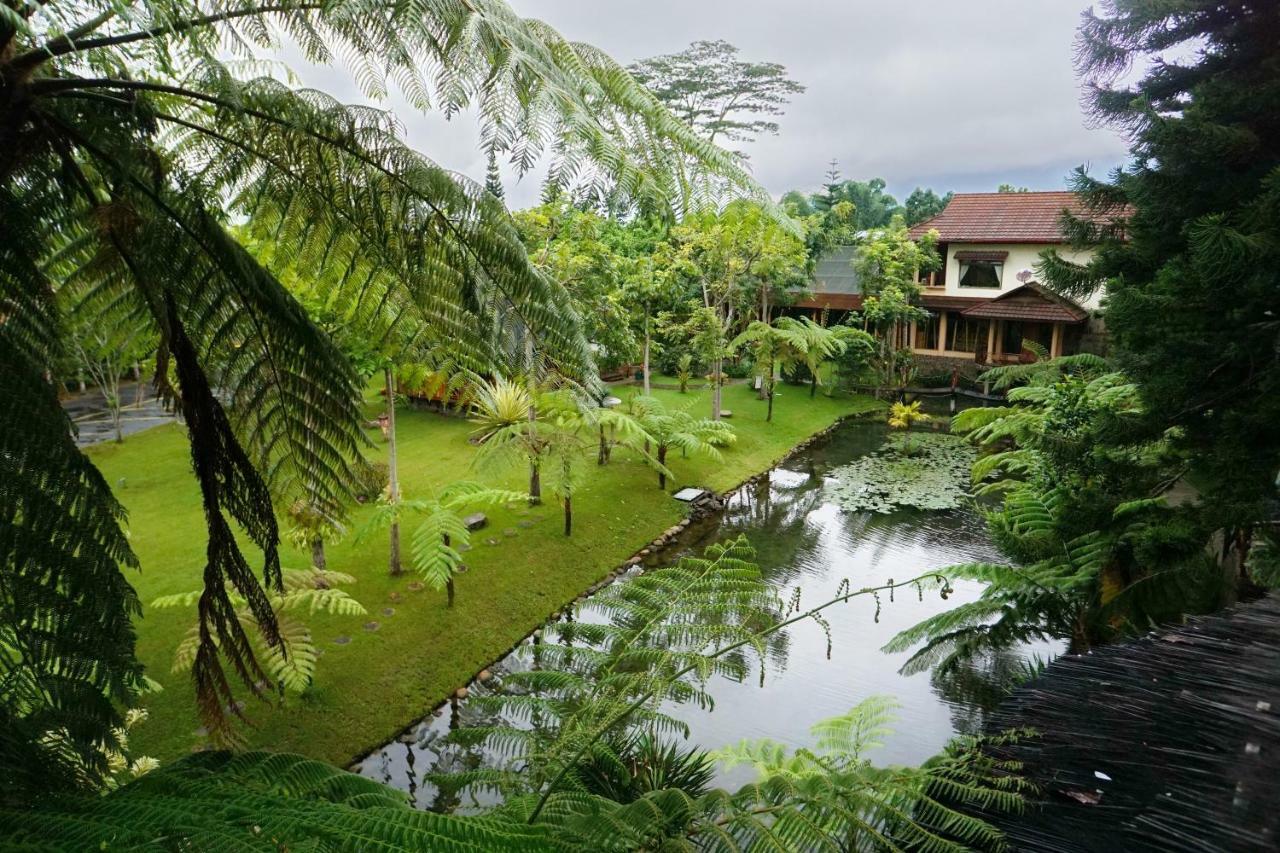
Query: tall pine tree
x=1192 y=268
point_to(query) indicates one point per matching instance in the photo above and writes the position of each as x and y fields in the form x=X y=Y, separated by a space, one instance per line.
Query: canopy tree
x=714 y=91
x=126 y=145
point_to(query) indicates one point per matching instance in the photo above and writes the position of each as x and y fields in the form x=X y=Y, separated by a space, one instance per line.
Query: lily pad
x=929 y=471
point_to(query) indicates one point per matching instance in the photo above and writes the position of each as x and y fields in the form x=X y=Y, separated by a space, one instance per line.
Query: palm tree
x=126 y=145
x=680 y=430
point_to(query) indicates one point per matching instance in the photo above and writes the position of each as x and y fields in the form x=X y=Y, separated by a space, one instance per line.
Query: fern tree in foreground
x=679 y=430
x=589 y=766
x=126 y=145
x=563 y=729
x=291 y=662
x=1095 y=552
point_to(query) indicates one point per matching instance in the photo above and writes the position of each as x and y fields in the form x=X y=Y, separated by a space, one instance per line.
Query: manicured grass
x=384 y=679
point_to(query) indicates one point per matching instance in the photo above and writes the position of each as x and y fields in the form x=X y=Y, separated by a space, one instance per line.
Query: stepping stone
x=388 y=611
x=461 y=567
x=491 y=541
x=395 y=596
x=476 y=520
x=415 y=586
x=525 y=523
x=371 y=626
x=342 y=641
x=464 y=546
x=510 y=531
x=201 y=732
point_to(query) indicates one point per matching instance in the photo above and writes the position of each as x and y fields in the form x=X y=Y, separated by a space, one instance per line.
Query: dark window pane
x=966 y=334
x=980 y=273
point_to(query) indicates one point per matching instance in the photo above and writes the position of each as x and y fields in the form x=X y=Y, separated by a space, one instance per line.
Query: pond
x=804 y=540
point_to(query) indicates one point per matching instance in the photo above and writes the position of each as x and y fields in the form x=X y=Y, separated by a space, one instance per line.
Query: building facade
x=984 y=301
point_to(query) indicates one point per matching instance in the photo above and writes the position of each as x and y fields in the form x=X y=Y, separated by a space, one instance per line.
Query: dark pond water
x=804 y=540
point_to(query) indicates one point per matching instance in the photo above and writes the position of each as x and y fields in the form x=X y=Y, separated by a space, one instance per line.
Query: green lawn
x=384 y=679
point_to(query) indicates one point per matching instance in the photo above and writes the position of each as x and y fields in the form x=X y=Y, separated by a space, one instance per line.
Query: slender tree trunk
x=568 y=514
x=662 y=460
x=647 y=390
x=717 y=370
x=448 y=584
x=813 y=385
x=317 y=553
x=393 y=474
x=768 y=418
x=535 y=475
x=603 y=456
x=535 y=483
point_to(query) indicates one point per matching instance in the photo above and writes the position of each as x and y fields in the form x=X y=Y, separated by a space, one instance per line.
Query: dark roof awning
x=1031 y=302
x=974 y=255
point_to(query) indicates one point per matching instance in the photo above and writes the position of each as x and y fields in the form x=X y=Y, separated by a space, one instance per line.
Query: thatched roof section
x=1170 y=743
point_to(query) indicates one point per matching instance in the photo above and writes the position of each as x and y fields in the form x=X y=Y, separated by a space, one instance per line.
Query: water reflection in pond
x=803 y=540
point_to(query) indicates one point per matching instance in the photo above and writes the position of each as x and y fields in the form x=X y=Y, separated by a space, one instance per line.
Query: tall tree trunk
x=393 y=474
x=568 y=514
x=647 y=390
x=535 y=475
x=317 y=553
x=764 y=303
x=813 y=384
x=448 y=584
x=662 y=460
x=717 y=370
x=603 y=455
x=769 y=414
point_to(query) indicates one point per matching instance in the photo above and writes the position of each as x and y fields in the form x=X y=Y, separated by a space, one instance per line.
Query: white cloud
x=956 y=95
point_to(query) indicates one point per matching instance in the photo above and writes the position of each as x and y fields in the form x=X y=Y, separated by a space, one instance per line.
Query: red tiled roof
x=1030 y=302
x=1005 y=218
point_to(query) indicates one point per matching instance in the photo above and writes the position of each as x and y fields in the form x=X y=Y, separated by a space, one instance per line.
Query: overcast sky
x=952 y=94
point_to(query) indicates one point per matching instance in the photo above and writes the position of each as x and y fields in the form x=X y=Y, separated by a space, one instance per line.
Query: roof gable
x=1032 y=301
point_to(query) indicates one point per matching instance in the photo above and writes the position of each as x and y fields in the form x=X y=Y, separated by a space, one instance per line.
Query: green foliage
x=714 y=91
x=1185 y=235
x=923 y=204
x=931 y=473
x=291 y=661
x=676 y=429
x=1095 y=552
x=128 y=143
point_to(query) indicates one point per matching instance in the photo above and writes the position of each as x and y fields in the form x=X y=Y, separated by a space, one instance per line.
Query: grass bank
x=411 y=651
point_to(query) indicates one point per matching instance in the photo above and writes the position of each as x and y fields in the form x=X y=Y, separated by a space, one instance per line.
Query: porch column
x=942 y=331
x=999 y=337
x=992 y=331
x=1055 y=346
x=912 y=342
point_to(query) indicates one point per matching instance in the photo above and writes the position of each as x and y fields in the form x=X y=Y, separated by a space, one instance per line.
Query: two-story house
x=985 y=300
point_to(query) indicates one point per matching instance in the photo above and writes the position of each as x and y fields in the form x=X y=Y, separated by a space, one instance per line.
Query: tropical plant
x=814 y=345
x=774 y=348
x=311 y=530
x=903 y=416
x=1095 y=551
x=126 y=144
x=289 y=662
x=443 y=529
x=677 y=429
x=566 y=726
x=927 y=808
x=1184 y=239
x=684 y=372
x=507 y=423
x=593 y=774
x=569 y=426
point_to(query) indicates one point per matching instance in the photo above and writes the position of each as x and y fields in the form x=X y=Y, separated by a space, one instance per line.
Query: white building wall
x=1022 y=256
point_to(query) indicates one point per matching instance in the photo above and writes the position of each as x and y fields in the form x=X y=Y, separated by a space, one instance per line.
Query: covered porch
x=994 y=331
